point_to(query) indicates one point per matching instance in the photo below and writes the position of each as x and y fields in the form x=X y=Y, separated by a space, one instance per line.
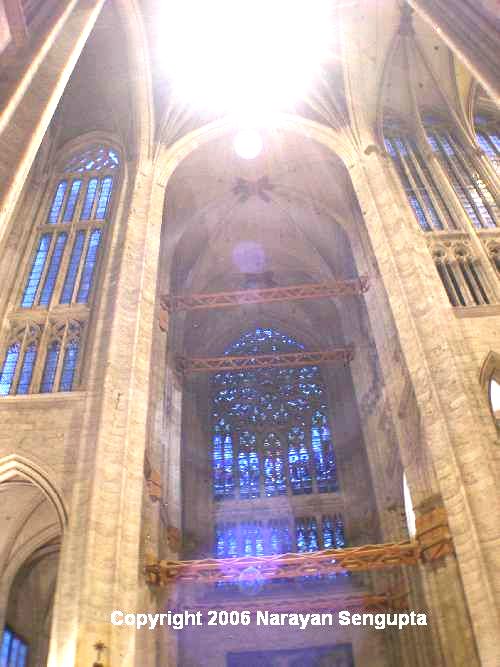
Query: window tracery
x=20 y=357
x=62 y=273
x=271 y=439
x=271 y=431
x=460 y=273
x=470 y=187
x=461 y=267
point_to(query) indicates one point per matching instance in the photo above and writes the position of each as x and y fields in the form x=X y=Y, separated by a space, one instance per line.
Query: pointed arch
x=15 y=465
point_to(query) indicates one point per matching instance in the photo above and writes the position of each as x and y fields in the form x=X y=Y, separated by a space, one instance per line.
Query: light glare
x=248 y=144
x=237 y=56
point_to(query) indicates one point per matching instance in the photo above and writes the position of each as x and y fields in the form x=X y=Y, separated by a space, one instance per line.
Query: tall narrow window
x=488 y=138
x=9 y=368
x=63 y=272
x=473 y=193
x=424 y=197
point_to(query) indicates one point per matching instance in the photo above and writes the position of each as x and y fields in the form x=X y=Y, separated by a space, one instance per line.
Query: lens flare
x=237 y=56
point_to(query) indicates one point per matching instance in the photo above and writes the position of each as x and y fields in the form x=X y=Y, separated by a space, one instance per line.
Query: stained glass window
x=488 y=137
x=271 y=433
x=50 y=368
x=9 y=369
x=74 y=263
x=88 y=204
x=96 y=158
x=57 y=202
x=473 y=193
x=423 y=195
x=13 y=650
x=278 y=536
x=53 y=271
x=36 y=271
x=104 y=198
x=72 y=199
x=69 y=366
x=27 y=369
x=89 y=267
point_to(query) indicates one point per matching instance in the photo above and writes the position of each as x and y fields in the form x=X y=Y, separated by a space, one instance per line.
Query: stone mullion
x=414 y=185
x=464 y=155
x=450 y=166
x=469 y=36
x=454 y=264
x=458 y=456
x=32 y=98
x=442 y=215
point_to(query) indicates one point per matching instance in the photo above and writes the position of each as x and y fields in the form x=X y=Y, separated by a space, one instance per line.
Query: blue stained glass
x=306 y=535
x=324 y=455
x=14 y=651
x=280 y=541
x=69 y=366
x=253 y=543
x=228 y=463
x=23 y=654
x=88 y=204
x=274 y=469
x=9 y=369
x=104 y=198
x=50 y=368
x=57 y=202
x=218 y=464
x=72 y=199
x=248 y=466
x=281 y=399
x=74 y=262
x=299 y=462
x=36 y=271
x=89 y=267
x=5 y=648
x=339 y=532
x=51 y=277
x=27 y=370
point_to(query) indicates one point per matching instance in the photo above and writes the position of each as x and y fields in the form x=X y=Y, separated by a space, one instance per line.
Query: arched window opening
x=473 y=193
x=62 y=272
x=271 y=432
x=64 y=262
x=488 y=138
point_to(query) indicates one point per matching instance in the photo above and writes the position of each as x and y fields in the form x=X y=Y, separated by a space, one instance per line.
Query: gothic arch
x=16 y=465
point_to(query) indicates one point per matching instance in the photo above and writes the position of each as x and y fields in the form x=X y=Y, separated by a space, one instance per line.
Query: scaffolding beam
x=285 y=566
x=278 y=360
x=265 y=295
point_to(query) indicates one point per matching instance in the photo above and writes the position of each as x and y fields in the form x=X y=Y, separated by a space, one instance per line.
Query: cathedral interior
x=249 y=331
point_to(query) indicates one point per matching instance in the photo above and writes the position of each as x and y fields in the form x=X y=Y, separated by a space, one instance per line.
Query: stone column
x=32 y=93
x=102 y=558
x=474 y=40
x=452 y=435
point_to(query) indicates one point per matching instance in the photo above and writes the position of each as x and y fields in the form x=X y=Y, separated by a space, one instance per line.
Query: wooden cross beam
x=278 y=360
x=264 y=295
